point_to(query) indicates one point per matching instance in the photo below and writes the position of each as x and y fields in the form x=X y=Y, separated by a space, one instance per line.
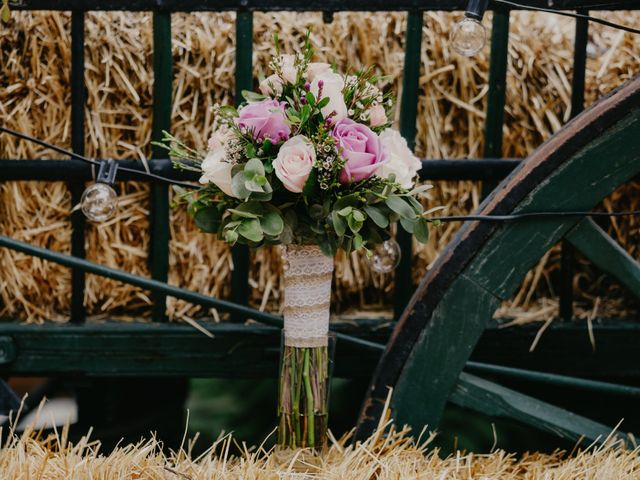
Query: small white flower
x=350 y=112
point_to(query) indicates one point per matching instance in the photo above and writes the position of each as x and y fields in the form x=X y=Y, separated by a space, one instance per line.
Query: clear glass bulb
x=385 y=257
x=468 y=36
x=99 y=202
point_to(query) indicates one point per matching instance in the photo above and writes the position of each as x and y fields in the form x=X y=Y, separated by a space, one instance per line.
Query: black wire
x=453 y=218
x=524 y=216
x=569 y=14
x=77 y=156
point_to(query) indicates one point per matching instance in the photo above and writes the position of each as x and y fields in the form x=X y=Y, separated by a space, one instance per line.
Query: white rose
x=317 y=68
x=271 y=86
x=215 y=167
x=289 y=72
x=400 y=159
x=294 y=162
x=332 y=88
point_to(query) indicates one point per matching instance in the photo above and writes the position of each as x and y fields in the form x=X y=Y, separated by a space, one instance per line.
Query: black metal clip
x=107 y=172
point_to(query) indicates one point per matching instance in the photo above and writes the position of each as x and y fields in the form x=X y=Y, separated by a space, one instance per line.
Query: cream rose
x=400 y=159
x=317 y=68
x=215 y=167
x=271 y=86
x=377 y=116
x=332 y=85
x=294 y=162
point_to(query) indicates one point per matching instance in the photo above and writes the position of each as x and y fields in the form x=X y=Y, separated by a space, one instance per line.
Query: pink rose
x=264 y=120
x=361 y=149
x=377 y=116
x=294 y=162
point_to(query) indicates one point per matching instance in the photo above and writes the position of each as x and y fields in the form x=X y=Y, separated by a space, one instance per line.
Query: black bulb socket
x=476 y=8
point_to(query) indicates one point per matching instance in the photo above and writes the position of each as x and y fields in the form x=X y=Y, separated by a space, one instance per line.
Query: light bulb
x=468 y=36
x=99 y=202
x=386 y=256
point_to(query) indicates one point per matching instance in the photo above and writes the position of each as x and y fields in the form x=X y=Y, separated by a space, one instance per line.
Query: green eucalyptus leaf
x=253 y=186
x=358 y=216
x=378 y=217
x=421 y=230
x=251 y=230
x=339 y=225
x=238 y=186
x=401 y=207
x=345 y=211
x=415 y=204
x=354 y=225
x=272 y=223
x=230 y=236
x=242 y=213
x=407 y=224
x=208 y=219
x=253 y=167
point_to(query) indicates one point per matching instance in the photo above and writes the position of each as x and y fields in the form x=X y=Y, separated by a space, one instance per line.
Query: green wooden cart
x=444 y=346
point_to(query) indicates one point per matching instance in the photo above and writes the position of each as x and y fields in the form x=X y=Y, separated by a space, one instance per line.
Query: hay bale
x=35 y=98
x=390 y=456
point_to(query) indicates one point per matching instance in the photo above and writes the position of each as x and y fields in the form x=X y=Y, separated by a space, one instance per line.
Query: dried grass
x=394 y=455
x=35 y=98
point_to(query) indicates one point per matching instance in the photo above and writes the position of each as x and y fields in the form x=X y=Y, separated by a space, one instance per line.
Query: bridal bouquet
x=310 y=161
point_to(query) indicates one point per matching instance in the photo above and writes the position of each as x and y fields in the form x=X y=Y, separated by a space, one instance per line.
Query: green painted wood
x=159 y=211
x=408 y=117
x=485 y=263
x=577 y=105
x=158 y=349
x=578 y=185
x=497 y=91
x=594 y=243
x=432 y=369
x=554 y=379
x=78 y=101
x=497 y=401
x=244 y=81
x=161 y=349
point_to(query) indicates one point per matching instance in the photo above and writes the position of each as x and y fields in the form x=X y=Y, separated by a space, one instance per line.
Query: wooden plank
x=496 y=401
x=441 y=352
x=157 y=349
x=615 y=355
x=65 y=347
x=605 y=253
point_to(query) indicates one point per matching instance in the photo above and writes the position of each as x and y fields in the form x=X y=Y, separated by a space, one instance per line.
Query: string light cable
x=108 y=168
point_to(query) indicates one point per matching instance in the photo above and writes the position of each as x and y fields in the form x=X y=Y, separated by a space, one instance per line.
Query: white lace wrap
x=307 y=295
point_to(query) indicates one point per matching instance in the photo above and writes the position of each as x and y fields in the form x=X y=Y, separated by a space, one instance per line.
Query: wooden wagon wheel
x=486 y=262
